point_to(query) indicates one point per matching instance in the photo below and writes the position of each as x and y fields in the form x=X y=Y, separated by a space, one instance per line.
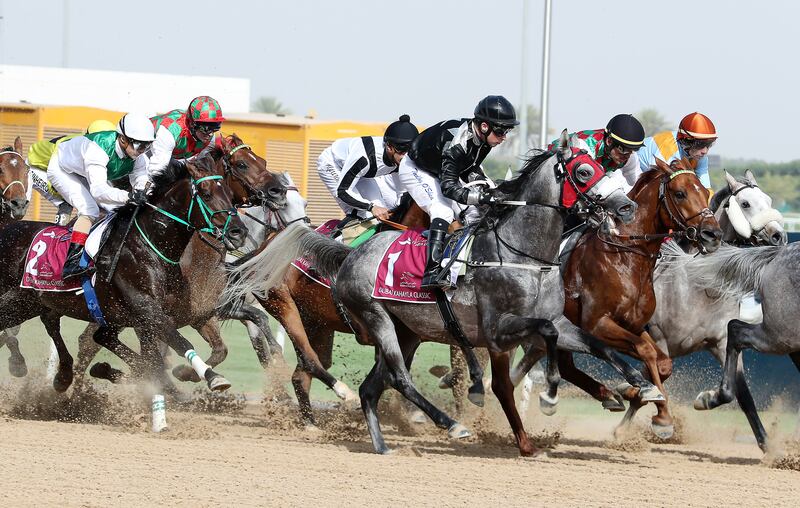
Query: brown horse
x=608 y=280
x=252 y=184
x=13 y=205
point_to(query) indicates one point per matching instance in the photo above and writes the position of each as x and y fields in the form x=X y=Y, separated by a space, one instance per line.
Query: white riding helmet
x=137 y=126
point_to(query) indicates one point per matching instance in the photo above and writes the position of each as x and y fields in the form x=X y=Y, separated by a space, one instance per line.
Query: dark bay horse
x=145 y=291
x=514 y=297
x=608 y=280
x=252 y=185
x=13 y=206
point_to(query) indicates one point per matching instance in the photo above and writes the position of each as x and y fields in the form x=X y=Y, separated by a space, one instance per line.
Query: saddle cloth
x=44 y=261
x=399 y=274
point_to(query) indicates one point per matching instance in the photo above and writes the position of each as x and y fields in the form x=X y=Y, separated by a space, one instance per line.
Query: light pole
x=548 y=10
x=65 y=35
x=522 y=148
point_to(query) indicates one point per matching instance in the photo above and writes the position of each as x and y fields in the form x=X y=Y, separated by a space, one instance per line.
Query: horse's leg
x=219 y=350
x=645 y=348
x=569 y=372
x=266 y=353
x=63 y=378
x=796 y=359
x=741 y=336
x=108 y=337
x=370 y=392
x=87 y=350
x=745 y=399
x=503 y=389
x=512 y=330
x=16 y=362
x=301 y=382
x=183 y=347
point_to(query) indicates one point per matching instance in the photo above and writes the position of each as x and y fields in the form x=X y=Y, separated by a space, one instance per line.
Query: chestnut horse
x=608 y=280
x=13 y=205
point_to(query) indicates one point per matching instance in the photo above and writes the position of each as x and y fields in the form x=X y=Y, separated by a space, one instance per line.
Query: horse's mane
x=531 y=166
x=162 y=181
x=724 y=193
x=645 y=179
x=8 y=149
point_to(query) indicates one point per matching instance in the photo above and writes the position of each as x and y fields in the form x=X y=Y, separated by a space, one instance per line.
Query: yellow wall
x=287 y=143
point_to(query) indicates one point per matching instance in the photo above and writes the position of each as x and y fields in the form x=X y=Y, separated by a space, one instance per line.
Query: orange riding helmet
x=696 y=126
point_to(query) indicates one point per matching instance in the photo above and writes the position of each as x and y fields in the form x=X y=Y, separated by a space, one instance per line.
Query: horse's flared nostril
x=710 y=235
x=777 y=238
x=277 y=191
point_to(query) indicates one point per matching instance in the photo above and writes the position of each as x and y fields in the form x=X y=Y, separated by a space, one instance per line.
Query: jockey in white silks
x=81 y=168
x=443 y=159
x=363 y=180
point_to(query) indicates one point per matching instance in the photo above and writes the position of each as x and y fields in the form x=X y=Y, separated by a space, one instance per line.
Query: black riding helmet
x=626 y=130
x=401 y=133
x=496 y=110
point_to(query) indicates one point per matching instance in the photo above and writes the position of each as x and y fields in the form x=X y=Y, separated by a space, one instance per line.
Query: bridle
x=4 y=204
x=255 y=197
x=274 y=217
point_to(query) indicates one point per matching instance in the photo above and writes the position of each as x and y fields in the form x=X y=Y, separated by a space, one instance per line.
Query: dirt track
x=248 y=459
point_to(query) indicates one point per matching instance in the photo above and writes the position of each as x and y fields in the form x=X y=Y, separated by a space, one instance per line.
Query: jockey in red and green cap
x=183 y=134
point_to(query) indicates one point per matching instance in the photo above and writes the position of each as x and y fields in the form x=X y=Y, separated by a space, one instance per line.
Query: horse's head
x=586 y=182
x=248 y=177
x=13 y=181
x=749 y=212
x=683 y=205
x=211 y=208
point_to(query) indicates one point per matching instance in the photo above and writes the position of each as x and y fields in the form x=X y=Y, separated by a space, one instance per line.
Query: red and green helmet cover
x=205 y=109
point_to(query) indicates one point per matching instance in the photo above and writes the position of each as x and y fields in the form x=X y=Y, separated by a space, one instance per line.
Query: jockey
x=614 y=147
x=443 y=159
x=183 y=134
x=360 y=182
x=695 y=135
x=39 y=155
x=81 y=168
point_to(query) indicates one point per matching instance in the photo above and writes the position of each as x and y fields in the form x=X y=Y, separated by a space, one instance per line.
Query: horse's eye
x=680 y=195
x=241 y=165
x=745 y=204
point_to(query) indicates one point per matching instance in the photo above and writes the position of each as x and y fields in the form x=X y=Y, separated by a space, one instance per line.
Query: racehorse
x=770 y=271
x=142 y=293
x=13 y=206
x=608 y=279
x=252 y=185
x=514 y=296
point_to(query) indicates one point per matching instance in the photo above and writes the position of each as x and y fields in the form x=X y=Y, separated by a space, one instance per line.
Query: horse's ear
x=563 y=145
x=732 y=183
x=18 y=145
x=663 y=166
x=751 y=178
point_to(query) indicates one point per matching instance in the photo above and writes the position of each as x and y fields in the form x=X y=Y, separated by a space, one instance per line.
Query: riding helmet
x=401 y=133
x=626 y=130
x=696 y=126
x=137 y=126
x=496 y=110
x=205 y=109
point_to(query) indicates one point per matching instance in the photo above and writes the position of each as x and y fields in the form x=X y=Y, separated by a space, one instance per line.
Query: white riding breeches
x=384 y=191
x=426 y=191
x=73 y=188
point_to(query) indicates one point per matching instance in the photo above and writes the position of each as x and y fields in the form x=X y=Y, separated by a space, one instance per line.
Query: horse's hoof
x=458 y=431
x=615 y=404
x=662 y=431
x=385 y=451
x=439 y=370
x=534 y=452
x=185 y=373
x=477 y=398
x=703 y=400
x=103 y=370
x=651 y=394
x=17 y=368
x=548 y=405
x=417 y=416
x=344 y=392
x=62 y=380
x=218 y=384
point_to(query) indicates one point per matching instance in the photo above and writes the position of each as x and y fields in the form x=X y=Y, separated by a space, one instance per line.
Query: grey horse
x=774 y=273
x=689 y=319
x=512 y=294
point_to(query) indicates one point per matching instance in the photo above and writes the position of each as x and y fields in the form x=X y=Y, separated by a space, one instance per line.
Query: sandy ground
x=256 y=455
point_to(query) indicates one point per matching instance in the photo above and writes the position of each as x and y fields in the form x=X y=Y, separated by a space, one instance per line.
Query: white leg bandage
x=197 y=363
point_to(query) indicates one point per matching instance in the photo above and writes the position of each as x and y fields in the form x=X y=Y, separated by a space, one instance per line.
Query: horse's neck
x=533 y=230
x=415 y=217
x=648 y=218
x=168 y=235
x=257 y=232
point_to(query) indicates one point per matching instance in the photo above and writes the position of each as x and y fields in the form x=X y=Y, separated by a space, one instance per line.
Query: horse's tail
x=730 y=270
x=267 y=269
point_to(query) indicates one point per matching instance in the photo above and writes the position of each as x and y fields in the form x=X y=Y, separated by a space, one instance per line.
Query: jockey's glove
x=138 y=197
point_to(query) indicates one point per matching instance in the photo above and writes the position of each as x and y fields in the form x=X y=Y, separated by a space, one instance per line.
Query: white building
x=118 y=91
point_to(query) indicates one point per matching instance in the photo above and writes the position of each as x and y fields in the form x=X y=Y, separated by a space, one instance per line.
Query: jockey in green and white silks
x=183 y=134
x=81 y=168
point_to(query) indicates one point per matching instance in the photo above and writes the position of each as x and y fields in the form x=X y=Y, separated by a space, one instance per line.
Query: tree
x=272 y=105
x=653 y=121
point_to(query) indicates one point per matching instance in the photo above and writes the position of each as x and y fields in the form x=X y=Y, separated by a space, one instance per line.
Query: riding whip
x=114 y=261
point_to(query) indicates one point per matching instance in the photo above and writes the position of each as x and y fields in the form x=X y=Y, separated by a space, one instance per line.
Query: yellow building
x=288 y=143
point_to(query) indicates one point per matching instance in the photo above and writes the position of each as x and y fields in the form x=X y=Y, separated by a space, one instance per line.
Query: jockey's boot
x=436 y=234
x=72 y=264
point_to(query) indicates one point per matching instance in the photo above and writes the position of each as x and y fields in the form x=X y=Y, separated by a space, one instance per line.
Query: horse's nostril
x=277 y=191
x=777 y=238
x=625 y=209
